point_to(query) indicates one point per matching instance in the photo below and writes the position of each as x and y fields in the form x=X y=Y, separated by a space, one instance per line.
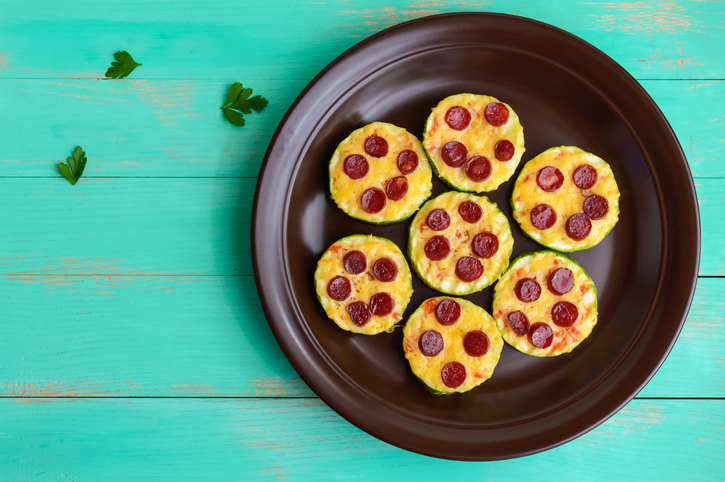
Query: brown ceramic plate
x=566 y=92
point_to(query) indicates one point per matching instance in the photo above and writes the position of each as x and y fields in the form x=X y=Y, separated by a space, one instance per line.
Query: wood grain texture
x=81 y=439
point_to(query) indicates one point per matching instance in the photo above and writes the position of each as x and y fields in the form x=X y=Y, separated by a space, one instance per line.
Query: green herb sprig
x=77 y=163
x=123 y=66
x=239 y=103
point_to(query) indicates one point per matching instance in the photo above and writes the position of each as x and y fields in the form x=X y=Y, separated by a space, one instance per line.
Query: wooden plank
x=174 y=128
x=206 y=336
x=217 y=39
x=201 y=439
x=177 y=226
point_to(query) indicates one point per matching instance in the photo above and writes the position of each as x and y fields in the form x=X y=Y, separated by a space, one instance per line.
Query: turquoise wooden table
x=133 y=345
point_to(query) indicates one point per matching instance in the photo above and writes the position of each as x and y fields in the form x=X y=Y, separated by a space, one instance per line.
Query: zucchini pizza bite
x=474 y=142
x=566 y=199
x=545 y=304
x=451 y=344
x=459 y=243
x=380 y=174
x=364 y=284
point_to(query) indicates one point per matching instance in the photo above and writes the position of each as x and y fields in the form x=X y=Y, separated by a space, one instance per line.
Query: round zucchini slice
x=380 y=174
x=451 y=344
x=545 y=304
x=460 y=243
x=364 y=284
x=566 y=199
x=474 y=142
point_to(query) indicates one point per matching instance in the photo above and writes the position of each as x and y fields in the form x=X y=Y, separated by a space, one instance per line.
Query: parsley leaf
x=77 y=163
x=124 y=65
x=239 y=103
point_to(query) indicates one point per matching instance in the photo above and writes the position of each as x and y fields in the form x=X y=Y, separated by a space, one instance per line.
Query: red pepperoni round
x=359 y=313
x=381 y=304
x=407 y=162
x=454 y=154
x=561 y=281
x=496 y=114
x=519 y=322
x=356 y=166
x=475 y=343
x=338 y=288
x=469 y=269
x=438 y=220
x=504 y=150
x=453 y=374
x=447 y=312
x=437 y=248
x=376 y=146
x=527 y=290
x=541 y=335
x=458 y=118
x=596 y=207
x=564 y=314
x=470 y=211
x=549 y=178
x=373 y=200
x=543 y=216
x=355 y=262
x=385 y=270
x=578 y=226
x=430 y=343
x=585 y=177
x=478 y=169
x=485 y=244
x=396 y=188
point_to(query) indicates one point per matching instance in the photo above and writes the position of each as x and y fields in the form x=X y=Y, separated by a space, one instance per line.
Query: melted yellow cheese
x=441 y=275
x=567 y=200
x=479 y=137
x=428 y=369
x=347 y=193
x=538 y=266
x=365 y=284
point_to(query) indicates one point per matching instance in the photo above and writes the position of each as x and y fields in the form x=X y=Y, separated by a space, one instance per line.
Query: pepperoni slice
x=549 y=178
x=447 y=312
x=504 y=150
x=407 y=162
x=376 y=146
x=578 y=226
x=541 y=335
x=564 y=314
x=438 y=220
x=373 y=200
x=381 y=304
x=496 y=114
x=385 y=270
x=430 y=343
x=475 y=343
x=437 y=248
x=469 y=269
x=453 y=374
x=561 y=281
x=527 y=290
x=396 y=188
x=454 y=154
x=355 y=166
x=478 y=169
x=338 y=288
x=359 y=313
x=543 y=216
x=596 y=207
x=458 y=118
x=355 y=262
x=470 y=211
x=585 y=177
x=519 y=322
x=485 y=244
